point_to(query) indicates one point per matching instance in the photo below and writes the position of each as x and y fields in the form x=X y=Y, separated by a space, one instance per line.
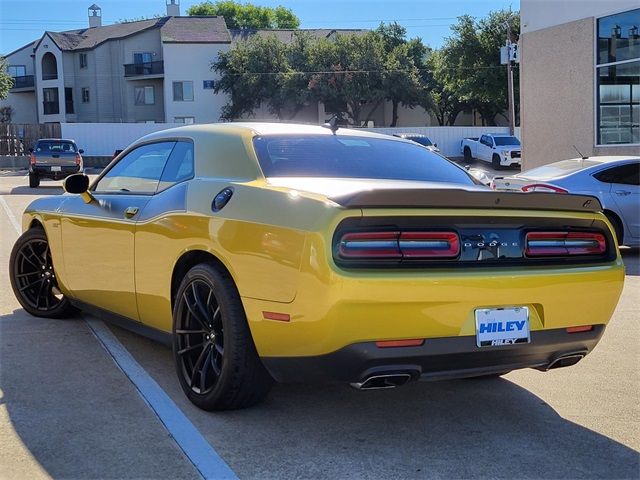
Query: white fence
x=447 y=138
x=102 y=139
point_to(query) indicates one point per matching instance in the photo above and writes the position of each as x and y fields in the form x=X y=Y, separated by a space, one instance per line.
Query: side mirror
x=31 y=150
x=467 y=167
x=76 y=183
x=81 y=151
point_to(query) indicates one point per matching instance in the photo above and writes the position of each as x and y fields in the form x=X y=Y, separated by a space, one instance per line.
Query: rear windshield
x=558 y=169
x=500 y=141
x=57 y=146
x=341 y=156
x=421 y=140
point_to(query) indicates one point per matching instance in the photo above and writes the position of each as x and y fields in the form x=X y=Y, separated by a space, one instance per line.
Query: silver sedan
x=615 y=181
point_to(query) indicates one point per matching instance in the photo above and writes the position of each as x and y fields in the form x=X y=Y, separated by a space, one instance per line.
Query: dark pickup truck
x=54 y=158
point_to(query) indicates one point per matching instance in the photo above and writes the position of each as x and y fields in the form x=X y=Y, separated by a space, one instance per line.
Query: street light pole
x=512 y=106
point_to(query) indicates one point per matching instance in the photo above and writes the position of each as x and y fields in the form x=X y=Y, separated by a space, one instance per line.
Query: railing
x=49 y=76
x=23 y=82
x=147 y=68
x=51 y=108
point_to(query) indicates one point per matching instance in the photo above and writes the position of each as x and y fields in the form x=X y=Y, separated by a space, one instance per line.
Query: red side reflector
x=549 y=244
x=32 y=159
x=415 y=342
x=583 y=328
x=282 y=317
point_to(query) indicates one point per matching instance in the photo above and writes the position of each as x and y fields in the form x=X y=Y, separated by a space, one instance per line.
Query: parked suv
x=54 y=158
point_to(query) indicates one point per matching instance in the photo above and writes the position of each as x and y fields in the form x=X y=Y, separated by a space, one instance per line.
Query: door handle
x=623 y=192
x=131 y=211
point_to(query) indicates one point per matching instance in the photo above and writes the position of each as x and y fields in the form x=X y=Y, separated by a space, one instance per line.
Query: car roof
x=265 y=128
x=56 y=140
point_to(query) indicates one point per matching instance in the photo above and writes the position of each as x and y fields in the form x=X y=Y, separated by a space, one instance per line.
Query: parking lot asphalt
x=68 y=411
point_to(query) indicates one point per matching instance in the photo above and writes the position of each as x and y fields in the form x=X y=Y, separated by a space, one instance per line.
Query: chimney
x=95 y=16
x=173 y=8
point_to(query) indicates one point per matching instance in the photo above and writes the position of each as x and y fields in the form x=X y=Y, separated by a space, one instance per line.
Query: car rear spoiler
x=460 y=198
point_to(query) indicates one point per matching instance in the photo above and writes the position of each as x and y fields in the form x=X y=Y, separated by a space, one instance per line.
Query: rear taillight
x=32 y=159
x=553 y=244
x=398 y=245
x=78 y=159
x=543 y=187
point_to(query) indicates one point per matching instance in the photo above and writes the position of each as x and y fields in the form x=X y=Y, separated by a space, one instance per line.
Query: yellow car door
x=98 y=237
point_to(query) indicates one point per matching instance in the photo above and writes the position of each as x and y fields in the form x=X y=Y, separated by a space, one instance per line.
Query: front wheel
x=216 y=360
x=467 y=154
x=33 y=277
x=495 y=162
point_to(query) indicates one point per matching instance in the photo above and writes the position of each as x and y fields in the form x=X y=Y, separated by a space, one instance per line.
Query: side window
x=139 y=171
x=485 y=140
x=625 y=174
x=179 y=166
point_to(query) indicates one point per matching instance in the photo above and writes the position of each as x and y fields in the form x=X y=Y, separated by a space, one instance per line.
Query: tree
x=6 y=82
x=348 y=72
x=471 y=67
x=437 y=98
x=247 y=16
x=404 y=59
x=264 y=70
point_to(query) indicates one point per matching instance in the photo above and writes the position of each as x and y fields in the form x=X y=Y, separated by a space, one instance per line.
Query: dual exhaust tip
x=394 y=380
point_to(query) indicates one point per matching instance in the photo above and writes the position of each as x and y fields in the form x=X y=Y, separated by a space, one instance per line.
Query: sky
x=22 y=21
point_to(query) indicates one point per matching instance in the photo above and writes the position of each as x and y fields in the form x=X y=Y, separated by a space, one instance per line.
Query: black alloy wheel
x=33 y=277
x=200 y=337
x=216 y=360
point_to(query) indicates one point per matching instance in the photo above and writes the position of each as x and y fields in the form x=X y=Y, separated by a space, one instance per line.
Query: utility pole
x=512 y=106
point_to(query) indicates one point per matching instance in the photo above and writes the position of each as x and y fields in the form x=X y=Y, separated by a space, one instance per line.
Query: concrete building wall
x=557 y=85
x=192 y=62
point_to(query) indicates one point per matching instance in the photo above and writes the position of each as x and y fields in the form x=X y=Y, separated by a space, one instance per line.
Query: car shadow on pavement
x=67 y=401
x=453 y=429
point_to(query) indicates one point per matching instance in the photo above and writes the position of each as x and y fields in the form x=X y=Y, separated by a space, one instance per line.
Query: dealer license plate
x=502 y=326
x=56 y=169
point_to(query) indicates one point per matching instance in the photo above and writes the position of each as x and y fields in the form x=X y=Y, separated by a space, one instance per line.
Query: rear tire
x=33 y=277
x=495 y=162
x=616 y=223
x=467 y=154
x=216 y=360
x=34 y=180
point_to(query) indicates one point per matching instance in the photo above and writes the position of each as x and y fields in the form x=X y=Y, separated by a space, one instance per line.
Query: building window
x=17 y=71
x=68 y=100
x=50 y=101
x=143 y=57
x=144 y=96
x=618 y=79
x=185 y=120
x=85 y=95
x=183 y=91
x=83 y=60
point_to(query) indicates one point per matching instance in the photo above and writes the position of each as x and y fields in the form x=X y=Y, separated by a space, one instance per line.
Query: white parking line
x=12 y=218
x=188 y=438
x=203 y=457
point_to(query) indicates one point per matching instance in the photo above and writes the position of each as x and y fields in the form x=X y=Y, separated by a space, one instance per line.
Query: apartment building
x=579 y=78
x=146 y=71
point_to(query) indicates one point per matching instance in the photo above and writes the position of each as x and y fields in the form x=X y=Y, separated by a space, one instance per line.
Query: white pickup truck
x=502 y=150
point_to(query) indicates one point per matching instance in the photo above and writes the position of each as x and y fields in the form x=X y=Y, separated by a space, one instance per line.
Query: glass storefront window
x=618 y=83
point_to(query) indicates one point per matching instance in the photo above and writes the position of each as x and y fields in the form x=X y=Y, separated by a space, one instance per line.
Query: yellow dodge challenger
x=301 y=253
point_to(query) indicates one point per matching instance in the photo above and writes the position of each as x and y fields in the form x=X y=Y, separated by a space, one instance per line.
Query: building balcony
x=51 y=108
x=24 y=83
x=146 y=69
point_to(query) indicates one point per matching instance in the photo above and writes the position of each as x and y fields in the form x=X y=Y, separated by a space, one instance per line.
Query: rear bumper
x=44 y=171
x=436 y=359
